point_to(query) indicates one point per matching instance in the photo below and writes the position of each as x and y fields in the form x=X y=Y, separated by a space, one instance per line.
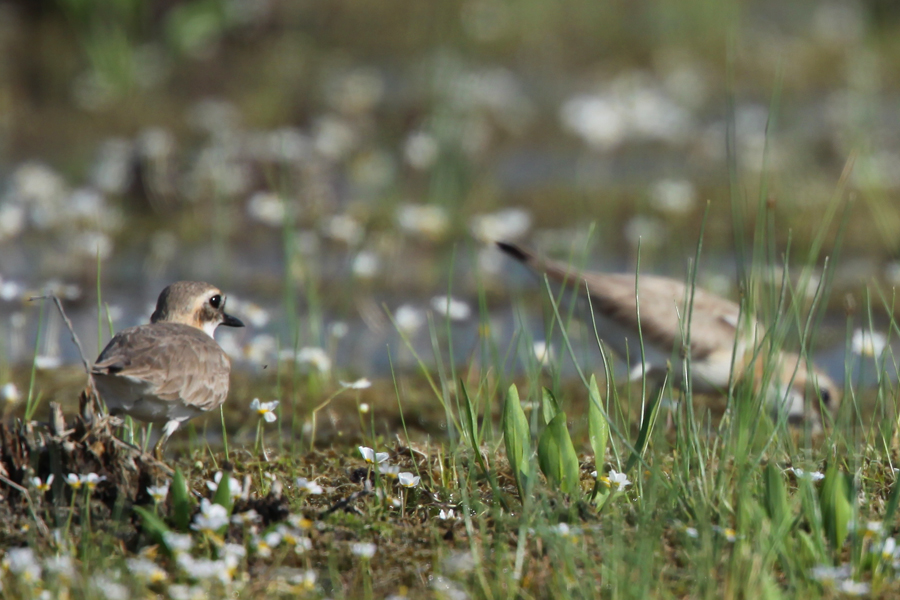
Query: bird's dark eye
x=215 y=301
x=826 y=396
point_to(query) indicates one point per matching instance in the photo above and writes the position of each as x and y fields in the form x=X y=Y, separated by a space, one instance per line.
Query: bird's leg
x=168 y=429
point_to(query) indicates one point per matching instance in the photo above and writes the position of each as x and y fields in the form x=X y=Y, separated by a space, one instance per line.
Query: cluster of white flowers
x=234 y=486
x=88 y=481
x=211 y=518
x=405 y=479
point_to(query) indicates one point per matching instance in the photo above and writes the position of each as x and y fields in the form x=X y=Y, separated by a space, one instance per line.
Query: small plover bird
x=172 y=369
x=716 y=339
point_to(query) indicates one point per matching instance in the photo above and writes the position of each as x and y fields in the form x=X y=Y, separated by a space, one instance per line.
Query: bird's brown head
x=193 y=303
x=811 y=391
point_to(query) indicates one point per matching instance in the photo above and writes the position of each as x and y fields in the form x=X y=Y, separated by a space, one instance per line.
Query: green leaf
x=557 y=458
x=517 y=438
x=470 y=424
x=598 y=426
x=182 y=504
x=222 y=497
x=836 y=508
x=549 y=405
x=776 y=496
x=153 y=525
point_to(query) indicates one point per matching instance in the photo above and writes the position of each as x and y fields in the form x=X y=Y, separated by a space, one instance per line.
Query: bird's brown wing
x=662 y=303
x=179 y=362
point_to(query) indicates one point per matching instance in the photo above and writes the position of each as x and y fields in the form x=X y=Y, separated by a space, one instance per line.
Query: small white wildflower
x=868 y=343
x=234 y=486
x=811 y=475
x=453 y=309
x=9 y=393
x=211 y=517
x=727 y=532
x=23 y=562
x=564 y=530
x=426 y=221
x=364 y=408
x=855 y=588
x=616 y=481
x=408 y=480
x=391 y=471
x=310 y=487
x=543 y=352
x=74 y=480
x=146 y=569
x=158 y=492
x=180 y=591
x=691 y=532
x=110 y=589
x=366 y=265
x=873 y=528
x=371 y=456
x=888 y=548
x=364 y=550
x=317 y=357
x=248 y=517
x=178 y=543
x=359 y=384
x=408 y=318
x=91 y=480
x=42 y=486
x=265 y=409
x=306 y=580
x=445 y=515
x=62 y=566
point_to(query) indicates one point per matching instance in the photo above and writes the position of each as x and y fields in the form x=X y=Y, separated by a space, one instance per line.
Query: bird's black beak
x=230 y=321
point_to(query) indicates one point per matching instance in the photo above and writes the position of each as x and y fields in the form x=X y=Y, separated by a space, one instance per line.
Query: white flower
x=180 y=591
x=446 y=514
x=247 y=517
x=9 y=393
x=299 y=542
x=211 y=517
x=91 y=480
x=22 y=562
x=830 y=573
x=426 y=221
x=42 y=486
x=158 y=492
x=61 y=565
x=366 y=265
x=868 y=343
x=854 y=588
x=265 y=409
x=299 y=522
x=408 y=479
x=674 y=196
x=392 y=471
x=453 y=309
x=812 y=475
x=616 y=481
x=267 y=208
x=888 y=548
x=359 y=384
x=317 y=357
x=371 y=456
x=408 y=318
x=146 y=569
x=420 y=150
x=110 y=589
x=234 y=486
x=310 y=487
x=565 y=531
x=727 y=532
x=543 y=352
x=178 y=543
x=363 y=408
x=364 y=550
x=873 y=528
x=507 y=224
x=306 y=580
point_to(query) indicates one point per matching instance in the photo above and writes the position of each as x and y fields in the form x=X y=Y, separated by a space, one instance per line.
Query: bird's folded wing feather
x=178 y=361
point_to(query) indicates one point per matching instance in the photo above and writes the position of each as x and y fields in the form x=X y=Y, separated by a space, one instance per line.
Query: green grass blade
x=598 y=426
